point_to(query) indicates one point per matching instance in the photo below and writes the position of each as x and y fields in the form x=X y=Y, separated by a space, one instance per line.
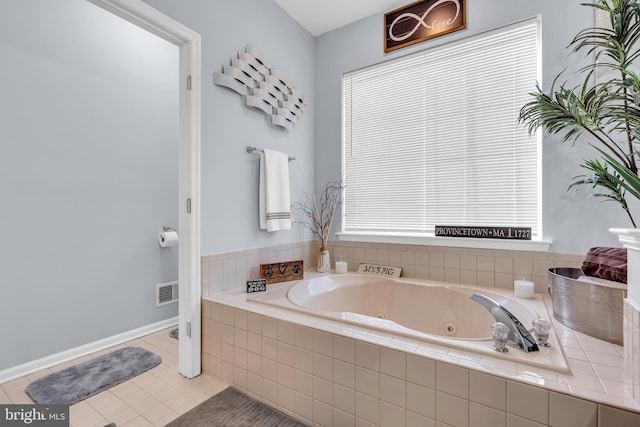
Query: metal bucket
x=595 y=309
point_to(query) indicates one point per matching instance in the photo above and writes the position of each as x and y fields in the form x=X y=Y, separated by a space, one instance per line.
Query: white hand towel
x=274 y=204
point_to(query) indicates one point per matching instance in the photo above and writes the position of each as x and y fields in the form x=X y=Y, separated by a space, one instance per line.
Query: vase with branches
x=603 y=112
x=320 y=210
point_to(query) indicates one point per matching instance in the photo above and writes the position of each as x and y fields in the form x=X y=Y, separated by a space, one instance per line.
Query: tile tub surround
x=327 y=373
x=484 y=267
x=231 y=270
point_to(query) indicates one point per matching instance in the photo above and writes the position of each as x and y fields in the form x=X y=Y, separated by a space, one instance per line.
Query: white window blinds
x=433 y=138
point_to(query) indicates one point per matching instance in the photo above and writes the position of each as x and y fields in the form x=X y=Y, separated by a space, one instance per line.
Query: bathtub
x=430 y=312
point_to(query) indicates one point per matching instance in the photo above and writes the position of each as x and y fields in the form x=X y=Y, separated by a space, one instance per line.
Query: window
x=433 y=138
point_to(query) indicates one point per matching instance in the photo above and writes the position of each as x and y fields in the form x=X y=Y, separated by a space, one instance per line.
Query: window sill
x=456 y=242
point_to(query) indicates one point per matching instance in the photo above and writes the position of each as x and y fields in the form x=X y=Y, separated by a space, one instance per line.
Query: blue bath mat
x=81 y=381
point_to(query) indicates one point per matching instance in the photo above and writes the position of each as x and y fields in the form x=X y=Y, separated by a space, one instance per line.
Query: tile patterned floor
x=151 y=399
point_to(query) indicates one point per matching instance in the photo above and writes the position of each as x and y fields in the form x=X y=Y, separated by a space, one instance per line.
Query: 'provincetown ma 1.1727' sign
x=422 y=20
x=515 y=233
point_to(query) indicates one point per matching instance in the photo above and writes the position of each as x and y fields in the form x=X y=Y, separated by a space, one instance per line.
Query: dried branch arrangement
x=320 y=210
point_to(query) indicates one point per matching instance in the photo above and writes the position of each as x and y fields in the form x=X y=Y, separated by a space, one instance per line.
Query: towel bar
x=252 y=149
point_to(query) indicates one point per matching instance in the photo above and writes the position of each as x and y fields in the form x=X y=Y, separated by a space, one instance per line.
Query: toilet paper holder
x=167 y=228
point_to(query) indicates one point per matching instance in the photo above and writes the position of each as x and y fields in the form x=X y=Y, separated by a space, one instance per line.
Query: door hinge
x=189 y=82
x=189 y=329
x=189 y=206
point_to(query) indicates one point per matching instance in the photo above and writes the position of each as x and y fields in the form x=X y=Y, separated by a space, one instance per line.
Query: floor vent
x=166 y=293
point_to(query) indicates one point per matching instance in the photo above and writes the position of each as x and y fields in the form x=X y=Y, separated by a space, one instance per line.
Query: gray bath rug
x=78 y=382
x=175 y=333
x=230 y=408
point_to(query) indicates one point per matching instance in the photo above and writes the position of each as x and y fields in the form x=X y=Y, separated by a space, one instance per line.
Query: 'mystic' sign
x=422 y=20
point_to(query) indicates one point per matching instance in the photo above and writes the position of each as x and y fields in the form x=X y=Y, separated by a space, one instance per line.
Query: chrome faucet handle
x=519 y=336
x=500 y=332
x=541 y=329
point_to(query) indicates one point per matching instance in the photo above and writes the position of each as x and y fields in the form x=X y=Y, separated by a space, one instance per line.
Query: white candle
x=523 y=288
x=341 y=266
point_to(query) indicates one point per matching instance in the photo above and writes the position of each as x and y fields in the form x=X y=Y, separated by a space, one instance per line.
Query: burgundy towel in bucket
x=606 y=263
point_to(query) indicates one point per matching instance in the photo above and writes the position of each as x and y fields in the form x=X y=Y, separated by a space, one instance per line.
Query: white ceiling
x=319 y=17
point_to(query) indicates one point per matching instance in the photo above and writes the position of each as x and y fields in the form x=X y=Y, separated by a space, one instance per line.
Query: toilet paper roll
x=168 y=239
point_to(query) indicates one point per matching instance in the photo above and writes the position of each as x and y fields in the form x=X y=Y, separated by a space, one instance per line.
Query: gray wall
x=89 y=166
x=229 y=174
x=573 y=221
x=88 y=175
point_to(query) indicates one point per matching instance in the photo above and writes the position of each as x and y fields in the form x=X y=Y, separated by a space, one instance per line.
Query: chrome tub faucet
x=519 y=336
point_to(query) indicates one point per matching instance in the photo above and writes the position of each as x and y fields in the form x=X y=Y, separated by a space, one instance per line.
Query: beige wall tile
x=486 y=278
x=421 y=370
x=323 y=342
x=609 y=416
x=286 y=376
x=468 y=277
x=452 y=260
x=344 y=349
x=568 y=411
x=269 y=327
x=322 y=390
x=367 y=355
x=514 y=421
x=322 y=413
x=417 y=420
x=528 y=402
x=468 y=262
x=382 y=256
x=408 y=258
x=303 y=360
x=344 y=399
x=523 y=265
x=323 y=367
x=422 y=258
x=483 y=416
x=368 y=382
x=452 y=379
x=393 y=362
x=395 y=256
x=393 y=390
x=421 y=400
x=436 y=273
x=452 y=275
x=391 y=415
x=436 y=259
x=285 y=332
x=303 y=337
x=303 y=382
x=486 y=263
x=303 y=405
x=367 y=408
x=452 y=410
x=504 y=280
x=344 y=373
x=504 y=265
x=488 y=390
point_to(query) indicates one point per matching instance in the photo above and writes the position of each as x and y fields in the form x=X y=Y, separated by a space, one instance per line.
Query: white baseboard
x=73 y=353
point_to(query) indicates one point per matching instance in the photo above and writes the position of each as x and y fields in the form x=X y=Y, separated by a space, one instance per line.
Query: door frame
x=189 y=288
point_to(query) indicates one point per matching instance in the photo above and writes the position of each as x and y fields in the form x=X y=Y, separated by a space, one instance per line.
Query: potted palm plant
x=602 y=112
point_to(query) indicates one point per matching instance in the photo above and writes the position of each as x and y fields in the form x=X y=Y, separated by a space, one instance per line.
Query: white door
x=143 y=15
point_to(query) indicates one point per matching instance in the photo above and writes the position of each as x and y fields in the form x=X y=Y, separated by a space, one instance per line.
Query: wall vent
x=166 y=293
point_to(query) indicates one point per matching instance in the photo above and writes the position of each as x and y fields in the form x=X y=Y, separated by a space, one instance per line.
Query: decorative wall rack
x=263 y=87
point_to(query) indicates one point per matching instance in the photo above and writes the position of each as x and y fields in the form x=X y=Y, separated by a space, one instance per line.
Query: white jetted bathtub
x=427 y=311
